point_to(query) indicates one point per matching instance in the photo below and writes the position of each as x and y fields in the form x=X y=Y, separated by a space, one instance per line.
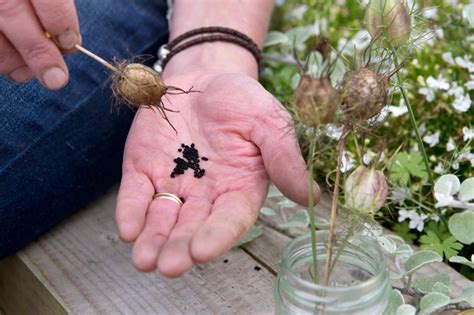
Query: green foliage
x=395 y=301
x=449 y=247
x=419 y=259
x=425 y=284
x=461 y=226
x=404 y=231
x=463 y=261
x=406 y=164
x=433 y=301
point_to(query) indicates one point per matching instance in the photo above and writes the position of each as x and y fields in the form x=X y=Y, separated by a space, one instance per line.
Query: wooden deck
x=81 y=267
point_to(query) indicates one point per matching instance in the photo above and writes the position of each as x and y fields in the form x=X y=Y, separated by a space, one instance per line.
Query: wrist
x=220 y=57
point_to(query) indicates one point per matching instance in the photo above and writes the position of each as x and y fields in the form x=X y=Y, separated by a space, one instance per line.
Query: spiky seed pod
x=138 y=85
x=316 y=100
x=364 y=93
x=388 y=22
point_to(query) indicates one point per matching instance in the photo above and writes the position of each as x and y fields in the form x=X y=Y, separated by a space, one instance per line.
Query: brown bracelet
x=225 y=34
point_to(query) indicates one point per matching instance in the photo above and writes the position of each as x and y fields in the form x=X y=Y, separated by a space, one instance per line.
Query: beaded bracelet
x=204 y=35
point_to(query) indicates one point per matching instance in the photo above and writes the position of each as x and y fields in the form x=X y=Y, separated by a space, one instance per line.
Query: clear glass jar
x=359 y=282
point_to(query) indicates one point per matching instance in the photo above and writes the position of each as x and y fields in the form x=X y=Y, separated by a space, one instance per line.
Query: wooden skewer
x=90 y=54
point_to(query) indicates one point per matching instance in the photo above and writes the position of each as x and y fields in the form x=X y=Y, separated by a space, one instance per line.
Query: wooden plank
x=88 y=269
x=21 y=291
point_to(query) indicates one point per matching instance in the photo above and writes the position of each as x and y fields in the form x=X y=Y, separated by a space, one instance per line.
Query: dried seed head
x=364 y=93
x=138 y=85
x=316 y=100
x=388 y=22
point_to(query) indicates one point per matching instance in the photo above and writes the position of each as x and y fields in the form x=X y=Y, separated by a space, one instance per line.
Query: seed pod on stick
x=138 y=85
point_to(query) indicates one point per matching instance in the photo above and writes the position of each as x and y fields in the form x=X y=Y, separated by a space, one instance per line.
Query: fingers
x=175 y=256
x=135 y=194
x=233 y=214
x=11 y=63
x=276 y=138
x=21 y=27
x=59 y=18
x=160 y=220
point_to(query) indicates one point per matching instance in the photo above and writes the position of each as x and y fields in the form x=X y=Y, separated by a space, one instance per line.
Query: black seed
x=257 y=268
x=204 y=158
x=179 y=150
x=226 y=261
x=182 y=145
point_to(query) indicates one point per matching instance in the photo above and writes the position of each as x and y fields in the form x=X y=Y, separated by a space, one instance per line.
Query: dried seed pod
x=388 y=22
x=364 y=93
x=138 y=85
x=316 y=100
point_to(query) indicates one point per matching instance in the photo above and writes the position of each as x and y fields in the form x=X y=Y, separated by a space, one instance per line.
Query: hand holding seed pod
x=365 y=190
x=388 y=22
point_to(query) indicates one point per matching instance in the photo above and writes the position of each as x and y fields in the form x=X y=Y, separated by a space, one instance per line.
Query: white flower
x=448 y=58
x=429 y=93
x=417 y=221
x=299 y=12
x=430 y=13
x=333 y=131
x=456 y=90
x=439 y=169
x=439 y=83
x=404 y=214
x=450 y=146
x=469 y=85
x=400 y=110
x=432 y=139
x=347 y=162
x=462 y=103
x=434 y=217
x=464 y=62
x=443 y=200
x=455 y=165
x=468 y=134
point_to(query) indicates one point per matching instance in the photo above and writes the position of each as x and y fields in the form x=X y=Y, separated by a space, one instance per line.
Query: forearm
x=250 y=17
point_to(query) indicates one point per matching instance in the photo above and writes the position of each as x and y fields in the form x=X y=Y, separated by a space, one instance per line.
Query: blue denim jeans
x=61 y=149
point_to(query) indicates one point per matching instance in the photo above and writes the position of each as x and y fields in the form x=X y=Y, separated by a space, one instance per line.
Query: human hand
x=248 y=138
x=25 y=51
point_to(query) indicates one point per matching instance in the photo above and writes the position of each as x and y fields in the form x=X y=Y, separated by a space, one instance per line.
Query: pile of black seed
x=190 y=160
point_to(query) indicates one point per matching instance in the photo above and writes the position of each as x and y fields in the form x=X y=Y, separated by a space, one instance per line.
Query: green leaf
x=469 y=12
x=404 y=231
x=432 y=301
x=441 y=288
x=254 y=232
x=466 y=192
x=300 y=219
x=425 y=284
x=447 y=185
x=395 y=301
x=420 y=259
x=439 y=228
x=449 y=247
x=268 y=211
x=466 y=296
x=462 y=260
x=406 y=309
x=404 y=165
x=275 y=38
x=461 y=226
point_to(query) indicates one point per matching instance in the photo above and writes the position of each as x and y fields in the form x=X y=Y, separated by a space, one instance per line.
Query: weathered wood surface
x=86 y=269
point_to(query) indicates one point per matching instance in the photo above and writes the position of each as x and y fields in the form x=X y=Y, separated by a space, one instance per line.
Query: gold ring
x=168 y=196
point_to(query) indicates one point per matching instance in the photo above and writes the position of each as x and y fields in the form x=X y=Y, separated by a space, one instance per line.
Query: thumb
x=275 y=136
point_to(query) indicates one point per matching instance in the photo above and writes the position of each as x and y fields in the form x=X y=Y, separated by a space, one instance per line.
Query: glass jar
x=359 y=282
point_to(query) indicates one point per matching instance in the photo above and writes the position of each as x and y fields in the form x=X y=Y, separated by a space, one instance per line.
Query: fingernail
x=68 y=39
x=54 y=78
x=21 y=75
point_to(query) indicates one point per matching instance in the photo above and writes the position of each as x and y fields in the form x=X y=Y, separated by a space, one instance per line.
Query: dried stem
x=96 y=58
x=332 y=223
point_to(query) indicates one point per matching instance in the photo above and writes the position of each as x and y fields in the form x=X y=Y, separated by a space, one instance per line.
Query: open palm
x=248 y=138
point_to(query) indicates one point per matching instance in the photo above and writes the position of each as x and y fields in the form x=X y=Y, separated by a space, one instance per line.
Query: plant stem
x=96 y=58
x=311 y=211
x=332 y=222
x=413 y=121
